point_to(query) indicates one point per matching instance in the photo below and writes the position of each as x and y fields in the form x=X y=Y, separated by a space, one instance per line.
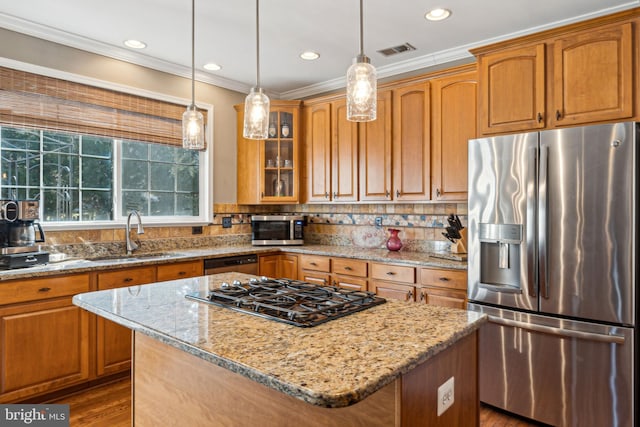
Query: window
x=77 y=180
x=92 y=151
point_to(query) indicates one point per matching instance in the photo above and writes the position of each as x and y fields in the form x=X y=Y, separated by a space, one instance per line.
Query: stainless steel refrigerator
x=552 y=255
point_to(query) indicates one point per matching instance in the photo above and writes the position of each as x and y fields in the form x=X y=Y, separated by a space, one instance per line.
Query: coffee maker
x=18 y=227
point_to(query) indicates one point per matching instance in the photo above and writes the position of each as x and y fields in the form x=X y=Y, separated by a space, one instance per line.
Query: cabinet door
x=375 y=153
x=443 y=297
x=268 y=265
x=279 y=157
x=453 y=125
x=593 y=76
x=318 y=152
x=113 y=340
x=393 y=290
x=411 y=143
x=344 y=152
x=512 y=90
x=288 y=266
x=44 y=346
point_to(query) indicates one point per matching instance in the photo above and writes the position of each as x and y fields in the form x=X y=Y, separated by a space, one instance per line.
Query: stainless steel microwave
x=269 y=230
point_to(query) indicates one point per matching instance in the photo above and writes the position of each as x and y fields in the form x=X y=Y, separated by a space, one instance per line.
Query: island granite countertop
x=334 y=364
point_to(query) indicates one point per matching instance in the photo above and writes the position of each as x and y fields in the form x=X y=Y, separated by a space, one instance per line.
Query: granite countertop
x=334 y=364
x=71 y=266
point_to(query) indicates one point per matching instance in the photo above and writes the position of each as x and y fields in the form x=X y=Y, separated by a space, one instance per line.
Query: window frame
x=205 y=182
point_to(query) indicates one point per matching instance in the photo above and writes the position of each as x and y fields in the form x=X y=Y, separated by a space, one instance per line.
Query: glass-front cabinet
x=268 y=169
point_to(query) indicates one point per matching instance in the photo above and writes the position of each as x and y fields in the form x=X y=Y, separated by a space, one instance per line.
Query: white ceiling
x=225 y=33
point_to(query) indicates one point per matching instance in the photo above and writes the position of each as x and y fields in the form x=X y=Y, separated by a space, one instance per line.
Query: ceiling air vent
x=397 y=49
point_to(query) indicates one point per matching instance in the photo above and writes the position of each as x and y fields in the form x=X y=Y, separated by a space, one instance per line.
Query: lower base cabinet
x=443 y=287
x=278 y=266
x=44 y=338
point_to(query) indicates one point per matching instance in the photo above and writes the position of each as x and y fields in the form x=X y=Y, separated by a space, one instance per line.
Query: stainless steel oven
x=277 y=230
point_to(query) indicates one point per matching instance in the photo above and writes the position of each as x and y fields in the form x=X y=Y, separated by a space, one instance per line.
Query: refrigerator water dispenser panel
x=500 y=254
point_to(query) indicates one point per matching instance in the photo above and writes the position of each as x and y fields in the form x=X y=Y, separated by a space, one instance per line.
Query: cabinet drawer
x=450 y=279
x=180 y=270
x=350 y=267
x=394 y=273
x=443 y=297
x=317 y=278
x=316 y=263
x=128 y=277
x=348 y=282
x=38 y=289
x=394 y=290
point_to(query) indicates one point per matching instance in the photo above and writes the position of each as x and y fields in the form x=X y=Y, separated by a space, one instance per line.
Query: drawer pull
x=409 y=295
x=127 y=280
x=313 y=263
x=391 y=273
x=421 y=296
x=443 y=279
x=348 y=268
x=44 y=290
x=182 y=273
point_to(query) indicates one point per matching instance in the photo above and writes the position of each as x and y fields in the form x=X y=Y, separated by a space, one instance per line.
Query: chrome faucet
x=131 y=245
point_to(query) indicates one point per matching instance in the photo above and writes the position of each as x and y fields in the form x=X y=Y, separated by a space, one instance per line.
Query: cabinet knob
x=127 y=280
x=539 y=117
x=391 y=273
x=558 y=115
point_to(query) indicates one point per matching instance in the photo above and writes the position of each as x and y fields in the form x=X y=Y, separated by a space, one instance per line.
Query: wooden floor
x=110 y=406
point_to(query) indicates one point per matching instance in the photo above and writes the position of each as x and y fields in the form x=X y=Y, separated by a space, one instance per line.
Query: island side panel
x=172 y=387
x=420 y=388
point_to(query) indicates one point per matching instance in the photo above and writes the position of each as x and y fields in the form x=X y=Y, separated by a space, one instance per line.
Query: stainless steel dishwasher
x=239 y=263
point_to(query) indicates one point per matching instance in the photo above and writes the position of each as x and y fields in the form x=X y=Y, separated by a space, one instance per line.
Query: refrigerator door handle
x=590 y=336
x=543 y=223
x=531 y=221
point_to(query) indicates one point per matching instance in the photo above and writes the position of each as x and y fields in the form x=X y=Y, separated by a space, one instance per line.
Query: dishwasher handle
x=230 y=261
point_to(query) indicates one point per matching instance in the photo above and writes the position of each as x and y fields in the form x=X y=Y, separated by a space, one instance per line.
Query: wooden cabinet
x=331 y=147
x=574 y=77
x=315 y=269
x=179 y=270
x=512 y=89
x=411 y=143
x=113 y=341
x=375 y=155
x=267 y=171
x=349 y=274
x=453 y=124
x=278 y=266
x=593 y=76
x=393 y=281
x=44 y=338
x=443 y=287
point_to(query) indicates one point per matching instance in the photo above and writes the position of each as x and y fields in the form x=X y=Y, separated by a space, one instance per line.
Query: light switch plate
x=445 y=396
x=378 y=221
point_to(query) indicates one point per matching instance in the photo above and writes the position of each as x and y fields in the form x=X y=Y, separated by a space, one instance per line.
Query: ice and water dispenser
x=500 y=254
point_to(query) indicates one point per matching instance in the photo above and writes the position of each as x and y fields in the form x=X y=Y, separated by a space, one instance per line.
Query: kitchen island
x=197 y=364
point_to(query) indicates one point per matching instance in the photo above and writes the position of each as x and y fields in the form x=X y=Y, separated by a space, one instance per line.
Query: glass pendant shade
x=361 y=91
x=256 y=115
x=193 y=129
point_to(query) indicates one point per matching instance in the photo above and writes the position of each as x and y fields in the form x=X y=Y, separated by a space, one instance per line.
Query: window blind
x=36 y=101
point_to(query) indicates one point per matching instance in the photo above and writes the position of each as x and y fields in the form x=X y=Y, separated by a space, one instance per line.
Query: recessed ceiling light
x=438 y=14
x=309 y=55
x=211 y=66
x=135 y=44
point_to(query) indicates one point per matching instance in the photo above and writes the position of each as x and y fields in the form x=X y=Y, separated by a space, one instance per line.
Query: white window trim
x=206 y=158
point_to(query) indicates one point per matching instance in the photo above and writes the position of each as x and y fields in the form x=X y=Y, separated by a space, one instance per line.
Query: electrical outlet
x=445 y=396
x=378 y=221
x=196 y=229
x=226 y=222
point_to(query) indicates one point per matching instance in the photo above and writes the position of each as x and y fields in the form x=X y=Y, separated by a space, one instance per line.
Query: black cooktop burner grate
x=290 y=301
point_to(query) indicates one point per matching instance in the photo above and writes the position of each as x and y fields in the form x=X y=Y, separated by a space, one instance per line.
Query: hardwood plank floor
x=110 y=406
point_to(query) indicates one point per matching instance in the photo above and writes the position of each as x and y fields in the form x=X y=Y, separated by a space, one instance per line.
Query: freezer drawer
x=560 y=372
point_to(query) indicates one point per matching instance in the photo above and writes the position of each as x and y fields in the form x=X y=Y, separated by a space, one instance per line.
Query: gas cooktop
x=294 y=302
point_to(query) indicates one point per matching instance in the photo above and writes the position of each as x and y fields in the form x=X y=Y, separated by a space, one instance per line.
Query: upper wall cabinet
x=331 y=153
x=268 y=170
x=453 y=124
x=375 y=153
x=575 y=77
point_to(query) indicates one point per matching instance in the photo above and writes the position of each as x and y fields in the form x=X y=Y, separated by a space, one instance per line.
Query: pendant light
x=256 y=105
x=192 y=119
x=361 y=85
